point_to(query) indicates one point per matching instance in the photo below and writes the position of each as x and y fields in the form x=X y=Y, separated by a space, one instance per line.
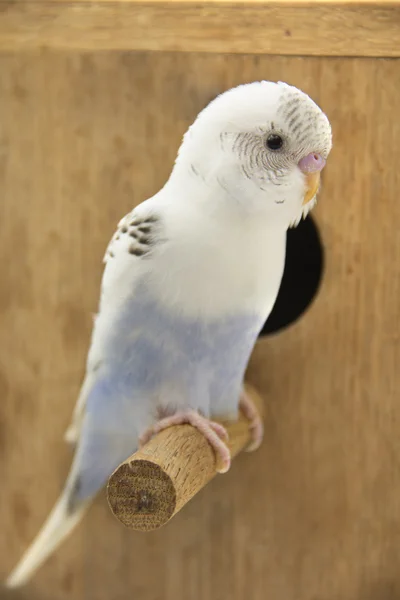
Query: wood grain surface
x=314 y=514
x=297 y=27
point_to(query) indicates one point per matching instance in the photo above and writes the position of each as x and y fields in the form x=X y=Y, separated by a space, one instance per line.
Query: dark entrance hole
x=301 y=278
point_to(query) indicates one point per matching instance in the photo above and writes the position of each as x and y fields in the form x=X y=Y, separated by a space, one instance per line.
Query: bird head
x=262 y=147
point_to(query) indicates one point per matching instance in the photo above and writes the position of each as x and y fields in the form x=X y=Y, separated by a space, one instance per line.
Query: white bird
x=190 y=277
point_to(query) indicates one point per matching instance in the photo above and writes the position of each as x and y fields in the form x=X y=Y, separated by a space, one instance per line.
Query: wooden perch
x=151 y=486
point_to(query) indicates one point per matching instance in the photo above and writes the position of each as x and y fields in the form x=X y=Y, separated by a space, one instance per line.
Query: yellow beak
x=312 y=185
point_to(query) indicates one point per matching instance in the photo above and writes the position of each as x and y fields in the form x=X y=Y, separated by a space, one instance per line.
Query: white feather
x=57 y=527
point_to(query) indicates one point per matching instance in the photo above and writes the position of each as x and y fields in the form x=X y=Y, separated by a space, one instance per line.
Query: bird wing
x=99 y=449
x=136 y=235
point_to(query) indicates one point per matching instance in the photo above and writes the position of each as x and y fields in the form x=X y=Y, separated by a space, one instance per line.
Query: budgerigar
x=190 y=277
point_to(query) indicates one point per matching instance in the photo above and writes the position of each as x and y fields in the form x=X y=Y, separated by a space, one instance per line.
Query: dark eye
x=274 y=141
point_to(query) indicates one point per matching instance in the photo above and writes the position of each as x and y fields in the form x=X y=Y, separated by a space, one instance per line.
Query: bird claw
x=249 y=410
x=215 y=434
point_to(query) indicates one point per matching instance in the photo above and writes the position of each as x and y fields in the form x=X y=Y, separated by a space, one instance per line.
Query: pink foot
x=214 y=433
x=247 y=407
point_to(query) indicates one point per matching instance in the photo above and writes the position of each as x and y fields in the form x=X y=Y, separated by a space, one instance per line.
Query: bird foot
x=249 y=410
x=214 y=433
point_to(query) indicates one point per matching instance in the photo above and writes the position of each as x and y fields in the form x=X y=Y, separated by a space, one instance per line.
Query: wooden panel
x=319 y=28
x=314 y=514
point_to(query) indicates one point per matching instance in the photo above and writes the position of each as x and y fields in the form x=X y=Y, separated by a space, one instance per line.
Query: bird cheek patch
x=312 y=185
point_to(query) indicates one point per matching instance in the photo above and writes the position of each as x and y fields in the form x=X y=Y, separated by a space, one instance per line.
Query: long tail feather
x=57 y=527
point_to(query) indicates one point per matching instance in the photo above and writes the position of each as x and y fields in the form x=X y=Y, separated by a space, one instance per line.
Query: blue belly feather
x=158 y=359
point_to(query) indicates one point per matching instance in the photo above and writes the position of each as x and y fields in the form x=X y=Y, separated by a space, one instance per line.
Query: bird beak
x=312 y=185
x=311 y=165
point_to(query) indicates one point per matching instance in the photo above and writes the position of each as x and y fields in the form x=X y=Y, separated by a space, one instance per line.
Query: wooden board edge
x=286 y=28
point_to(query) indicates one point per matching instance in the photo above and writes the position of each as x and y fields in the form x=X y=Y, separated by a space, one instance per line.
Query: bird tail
x=57 y=527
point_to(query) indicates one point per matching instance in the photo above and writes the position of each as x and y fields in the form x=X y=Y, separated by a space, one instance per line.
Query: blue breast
x=152 y=348
x=156 y=358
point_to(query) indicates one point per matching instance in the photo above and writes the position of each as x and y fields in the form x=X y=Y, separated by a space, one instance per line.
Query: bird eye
x=274 y=141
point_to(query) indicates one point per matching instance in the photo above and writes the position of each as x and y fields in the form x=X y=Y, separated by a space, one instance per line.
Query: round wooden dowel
x=151 y=486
